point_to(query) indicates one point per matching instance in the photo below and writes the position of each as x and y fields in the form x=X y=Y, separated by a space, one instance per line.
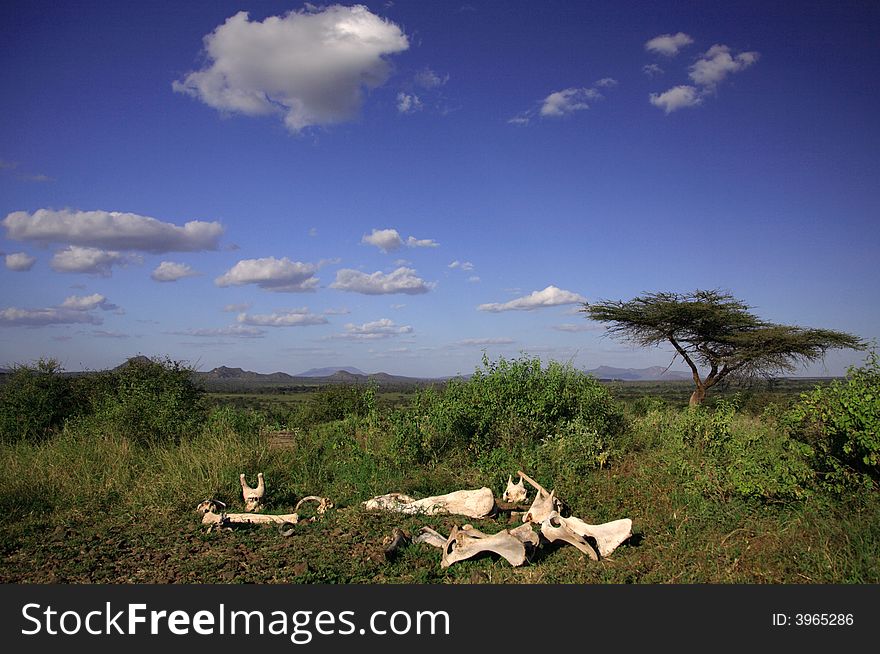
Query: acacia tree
x=714 y=330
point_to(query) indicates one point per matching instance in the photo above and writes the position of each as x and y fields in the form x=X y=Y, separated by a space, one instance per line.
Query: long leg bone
x=253 y=497
x=471 y=503
x=431 y=537
x=465 y=543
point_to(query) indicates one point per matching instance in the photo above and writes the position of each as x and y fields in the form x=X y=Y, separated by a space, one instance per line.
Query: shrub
x=509 y=404
x=35 y=400
x=840 y=422
x=148 y=400
x=337 y=402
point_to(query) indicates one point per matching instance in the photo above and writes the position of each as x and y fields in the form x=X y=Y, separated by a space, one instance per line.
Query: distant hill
x=223 y=372
x=654 y=373
x=326 y=372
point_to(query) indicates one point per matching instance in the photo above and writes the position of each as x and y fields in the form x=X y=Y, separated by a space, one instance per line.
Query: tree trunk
x=697 y=396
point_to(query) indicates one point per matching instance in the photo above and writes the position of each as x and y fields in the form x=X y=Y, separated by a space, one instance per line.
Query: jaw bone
x=253 y=497
x=467 y=542
x=515 y=493
x=471 y=503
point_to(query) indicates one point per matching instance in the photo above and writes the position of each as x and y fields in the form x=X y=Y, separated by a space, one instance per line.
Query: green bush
x=148 y=400
x=509 y=404
x=840 y=422
x=35 y=400
x=336 y=402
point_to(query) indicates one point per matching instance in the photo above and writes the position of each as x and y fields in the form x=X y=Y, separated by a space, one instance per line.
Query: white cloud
x=13 y=317
x=111 y=230
x=291 y=318
x=606 y=82
x=309 y=66
x=20 y=261
x=386 y=240
x=336 y=312
x=668 y=45
x=408 y=103
x=389 y=240
x=88 y=303
x=378 y=329
x=567 y=101
x=92 y=261
x=271 y=274
x=428 y=79
x=413 y=242
x=549 y=297
x=402 y=280
x=571 y=327
x=237 y=331
x=470 y=342
x=717 y=63
x=522 y=119
x=237 y=308
x=169 y=271
x=675 y=98
x=651 y=70
x=462 y=265
x=473 y=279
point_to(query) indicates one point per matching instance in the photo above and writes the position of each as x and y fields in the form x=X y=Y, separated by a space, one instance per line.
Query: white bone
x=526 y=535
x=471 y=503
x=544 y=503
x=515 y=492
x=608 y=535
x=323 y=504
x=431 y=537
x=465 y=543
x=215 y=520
x=253 y=497
x=554 y=527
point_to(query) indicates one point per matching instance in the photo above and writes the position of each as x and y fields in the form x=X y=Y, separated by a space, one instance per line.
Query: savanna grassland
x=101 y=474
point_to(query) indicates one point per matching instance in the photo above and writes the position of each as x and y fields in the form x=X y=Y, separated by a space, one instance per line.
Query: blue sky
x=401 y=186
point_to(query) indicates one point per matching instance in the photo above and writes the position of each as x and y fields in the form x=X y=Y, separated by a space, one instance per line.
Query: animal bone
x=253 y=497
x=323 y=504
x=555 y=527
x=431 y=537
x=608 y=535
x=395 y=542
x=515 y=492
x=214 y=520
x=466 y=542
x=543 y=505
x=525 y=534
x=471 y=503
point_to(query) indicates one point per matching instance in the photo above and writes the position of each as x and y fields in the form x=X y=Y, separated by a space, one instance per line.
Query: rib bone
x=471 y=503
x=253 y=497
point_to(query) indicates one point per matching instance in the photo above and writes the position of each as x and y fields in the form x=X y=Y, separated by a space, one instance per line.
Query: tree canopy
x=715 y=331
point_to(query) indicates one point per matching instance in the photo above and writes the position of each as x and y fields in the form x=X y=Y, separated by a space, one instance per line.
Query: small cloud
x=386 y=240
x=88 y=303
x=169 y=271
x=397 y=306
x=571 y=327
x=379 y=329
x=522 y=119
x=20 y=261
x=652 y=70
x=237 y=308
x=668 y=45
x=90 y=261
x=479 y=342
x=428 y=79
x=676 y=98
x=39 y=178
x=473 y=279
x=462 y=265
x=567 y=101
x=408 y=103
x=549 y=297
x=237 y=331
x=14 y=317
x=402 y=280
x=271 y=274
x=606 y=82
x=336 y=312
x=717 y=63
x=292 y=318
x=101 y=333
x=412 y=242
